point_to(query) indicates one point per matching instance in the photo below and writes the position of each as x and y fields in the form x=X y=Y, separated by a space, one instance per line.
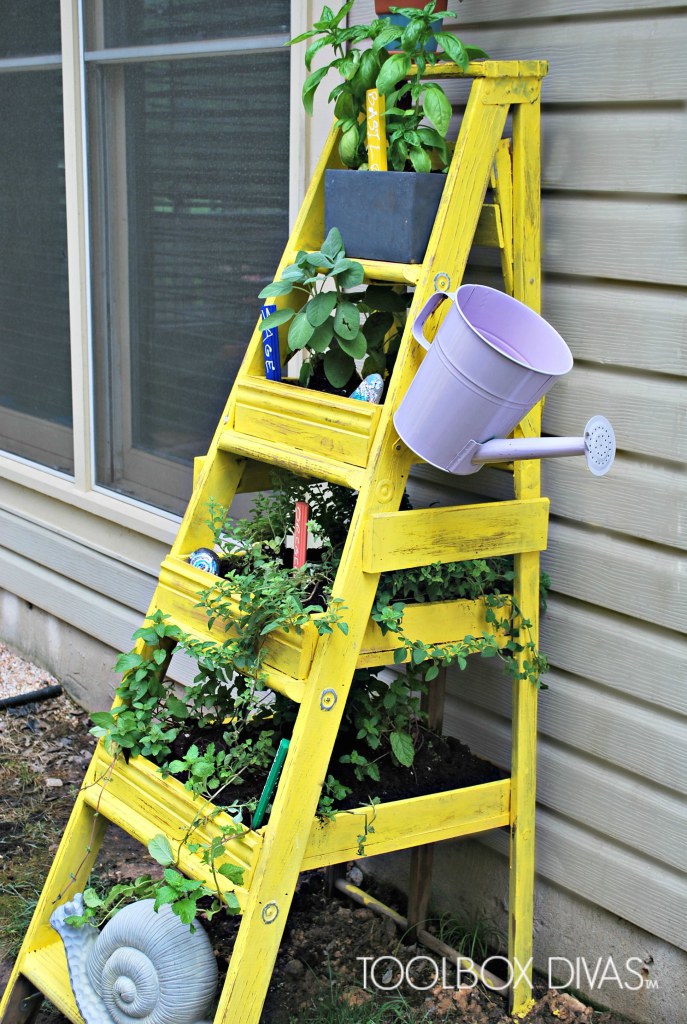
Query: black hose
x=47 y=693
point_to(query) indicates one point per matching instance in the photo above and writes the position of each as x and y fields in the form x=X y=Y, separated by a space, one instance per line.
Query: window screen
x=189 y=218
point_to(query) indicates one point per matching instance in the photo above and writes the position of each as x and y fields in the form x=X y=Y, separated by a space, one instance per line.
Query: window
x=35 y=376
x=185 y=133
x=189 y=213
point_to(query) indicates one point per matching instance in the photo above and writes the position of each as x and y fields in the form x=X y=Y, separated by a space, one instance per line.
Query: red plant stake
x=300 y=534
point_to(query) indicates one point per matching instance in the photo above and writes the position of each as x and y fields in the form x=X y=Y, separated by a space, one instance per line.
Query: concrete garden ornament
x=144 y=966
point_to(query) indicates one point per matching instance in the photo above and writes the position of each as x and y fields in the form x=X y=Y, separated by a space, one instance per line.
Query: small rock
x=363 y=914
x=355 y=875
x=294 y=969
x=354 y=996
x=54 y=783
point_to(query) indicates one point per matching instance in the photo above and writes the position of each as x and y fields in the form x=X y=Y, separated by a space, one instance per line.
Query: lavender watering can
x=490 y=362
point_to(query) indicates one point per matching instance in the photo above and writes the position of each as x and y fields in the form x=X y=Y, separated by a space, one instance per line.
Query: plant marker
x=270 y=344
x=376 y=130
x=300 y=534
x=271 y=783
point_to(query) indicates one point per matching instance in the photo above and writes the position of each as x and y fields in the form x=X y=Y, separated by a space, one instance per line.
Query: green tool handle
x=271 y=783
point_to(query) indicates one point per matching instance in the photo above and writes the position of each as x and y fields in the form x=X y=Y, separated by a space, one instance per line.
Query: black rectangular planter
x=383 y=215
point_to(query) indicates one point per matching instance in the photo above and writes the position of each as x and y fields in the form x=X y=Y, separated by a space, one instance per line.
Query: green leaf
x=160 y=849
x=338 y=367
x=347 y=320
x=232 y=872
x=386 y=36
x=91 y=898
x=402 y=747
x=310 y=85
x=232 y=902
x=128 y=662
x=476 y=53
x=185 y=910
x=383 y=298
x=420 y=159
x=177 y=707
x=103 y=719
x=348 y=273
x=393 y=70
x=281 y=316
x=453 y=48
x=321 y=337
x=333 y=244
x=318 y=308
x=437 y=108
x=356 y=348
x=312 y=50
x=300 y=331
x=276 y=288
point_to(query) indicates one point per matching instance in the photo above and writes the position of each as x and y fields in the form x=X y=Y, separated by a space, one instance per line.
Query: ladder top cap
x=488 y=69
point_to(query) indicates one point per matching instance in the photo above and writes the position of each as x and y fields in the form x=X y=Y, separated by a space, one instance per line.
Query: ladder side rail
x=527 y=477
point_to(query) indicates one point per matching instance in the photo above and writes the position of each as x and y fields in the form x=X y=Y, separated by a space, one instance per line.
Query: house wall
x=77 y=566
x=612 y=819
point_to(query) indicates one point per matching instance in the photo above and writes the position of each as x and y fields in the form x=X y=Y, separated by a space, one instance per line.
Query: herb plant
x=334 y=326
x=362 y=61
x=241 y=721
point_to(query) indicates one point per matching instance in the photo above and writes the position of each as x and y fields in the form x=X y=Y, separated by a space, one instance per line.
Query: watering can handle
x=426 y=311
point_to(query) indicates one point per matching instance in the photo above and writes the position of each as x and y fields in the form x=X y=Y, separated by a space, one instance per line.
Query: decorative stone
x=370 y=389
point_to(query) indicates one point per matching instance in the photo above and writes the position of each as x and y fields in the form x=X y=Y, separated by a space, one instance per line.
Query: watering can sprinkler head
x=597 y=445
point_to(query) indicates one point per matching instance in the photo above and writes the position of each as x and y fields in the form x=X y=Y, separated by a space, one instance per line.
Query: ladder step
x=287 y=656
x=287 y=456
x=140 y=801
x=46 y=968
x=135 y=797
x=313 y=423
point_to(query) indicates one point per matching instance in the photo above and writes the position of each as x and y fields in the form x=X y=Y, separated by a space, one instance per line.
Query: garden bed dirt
x=44 y=751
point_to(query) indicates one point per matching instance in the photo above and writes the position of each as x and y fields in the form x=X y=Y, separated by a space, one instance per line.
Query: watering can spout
x=597 y=445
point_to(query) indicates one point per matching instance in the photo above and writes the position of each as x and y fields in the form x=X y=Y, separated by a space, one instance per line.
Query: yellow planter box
x=137 y=798
x=291 y=654
x=312 y=422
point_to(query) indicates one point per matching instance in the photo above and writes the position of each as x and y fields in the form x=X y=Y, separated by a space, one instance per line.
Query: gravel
x=17 y=675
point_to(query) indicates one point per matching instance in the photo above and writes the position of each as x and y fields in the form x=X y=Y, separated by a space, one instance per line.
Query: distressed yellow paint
x=401 y=540
x=135 y=796
x=408 y=823
x=311 y=422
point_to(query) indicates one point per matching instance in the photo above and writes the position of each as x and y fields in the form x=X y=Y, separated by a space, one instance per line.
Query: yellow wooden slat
x=177 y=594
x=489 y=231
x=401 y=540
x=311 y=422
x=434 y=623
x=286 y=457
x=407 y=823
x=134 y=796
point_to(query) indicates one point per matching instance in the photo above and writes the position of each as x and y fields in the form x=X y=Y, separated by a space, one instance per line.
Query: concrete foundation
x=84 y=666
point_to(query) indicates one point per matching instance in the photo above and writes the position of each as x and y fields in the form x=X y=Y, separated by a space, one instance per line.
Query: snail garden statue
x=144 y=967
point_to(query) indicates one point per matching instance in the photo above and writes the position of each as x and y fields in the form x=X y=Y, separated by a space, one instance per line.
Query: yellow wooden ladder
x=270 y=424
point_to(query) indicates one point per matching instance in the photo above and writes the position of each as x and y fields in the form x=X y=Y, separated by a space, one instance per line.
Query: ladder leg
x=70 y=870
x=527 y=288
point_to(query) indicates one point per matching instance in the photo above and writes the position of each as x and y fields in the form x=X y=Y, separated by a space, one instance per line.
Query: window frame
x=81 y=489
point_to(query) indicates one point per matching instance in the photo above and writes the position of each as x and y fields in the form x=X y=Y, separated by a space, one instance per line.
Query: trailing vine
x=242 y=721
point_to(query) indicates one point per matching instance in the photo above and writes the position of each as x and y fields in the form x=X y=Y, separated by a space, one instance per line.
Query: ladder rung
x=402 y=540
x=288 y=457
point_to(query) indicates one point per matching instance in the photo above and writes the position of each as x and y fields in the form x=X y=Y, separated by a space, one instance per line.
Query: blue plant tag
x=270 y=344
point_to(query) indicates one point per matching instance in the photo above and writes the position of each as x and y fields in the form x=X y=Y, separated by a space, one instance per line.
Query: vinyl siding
x=613 y=725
